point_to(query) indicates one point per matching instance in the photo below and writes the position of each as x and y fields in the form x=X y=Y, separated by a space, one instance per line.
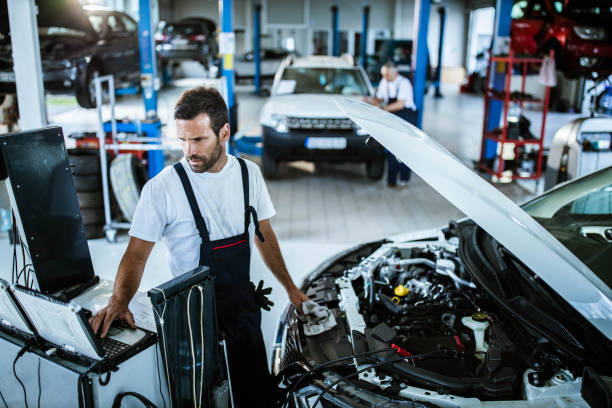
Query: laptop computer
x=66 y=326
x=12 y=319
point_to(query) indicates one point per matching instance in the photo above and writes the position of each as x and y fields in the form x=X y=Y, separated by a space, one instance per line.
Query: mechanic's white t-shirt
x=163 y=211
x=400 y=88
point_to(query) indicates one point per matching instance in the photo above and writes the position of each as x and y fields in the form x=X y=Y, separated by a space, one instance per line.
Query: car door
x=132 y=51
x=528 y=20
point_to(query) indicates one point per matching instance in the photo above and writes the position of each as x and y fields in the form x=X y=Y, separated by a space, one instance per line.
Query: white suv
x=301 y=121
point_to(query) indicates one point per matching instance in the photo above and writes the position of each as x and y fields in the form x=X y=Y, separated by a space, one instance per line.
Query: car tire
x=90 y=199
x=85 y=94
x=87 y=183
x=375 y=169
x=269 y=165
x=92 y=216
x=85 y=163
x=127 y=176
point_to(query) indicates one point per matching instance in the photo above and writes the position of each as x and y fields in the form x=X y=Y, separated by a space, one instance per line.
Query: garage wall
x=388 y=18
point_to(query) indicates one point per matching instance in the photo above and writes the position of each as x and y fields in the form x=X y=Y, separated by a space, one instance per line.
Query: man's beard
x=206 y=162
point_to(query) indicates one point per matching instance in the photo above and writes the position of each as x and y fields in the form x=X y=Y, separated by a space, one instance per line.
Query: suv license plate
x=7 y=77
x=326 y=143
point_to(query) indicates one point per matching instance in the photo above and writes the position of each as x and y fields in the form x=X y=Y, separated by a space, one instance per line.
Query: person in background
x=395 y=95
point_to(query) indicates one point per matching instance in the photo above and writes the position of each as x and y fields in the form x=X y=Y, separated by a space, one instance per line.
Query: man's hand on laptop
x=116 y=309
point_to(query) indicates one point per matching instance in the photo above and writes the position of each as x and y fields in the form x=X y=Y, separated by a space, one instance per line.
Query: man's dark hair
x=390 y=65
x=195 y=101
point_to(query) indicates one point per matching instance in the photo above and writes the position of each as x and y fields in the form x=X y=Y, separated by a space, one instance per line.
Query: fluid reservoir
x=478 y=323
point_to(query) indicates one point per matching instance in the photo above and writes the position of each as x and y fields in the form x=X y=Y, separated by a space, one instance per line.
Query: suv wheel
x=375 y=169
x=269 y=165
x=86 y=95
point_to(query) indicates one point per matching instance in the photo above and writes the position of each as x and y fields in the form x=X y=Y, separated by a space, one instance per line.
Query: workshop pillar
x=148 y=62
x=335 y=32
x=227 y=49
x=257 y=47
x=26 y=64
x=500 y=45
x=364 y=36
x=442 y=13
x=420 y=62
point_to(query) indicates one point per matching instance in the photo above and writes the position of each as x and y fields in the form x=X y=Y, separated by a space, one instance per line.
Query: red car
x=580 y=32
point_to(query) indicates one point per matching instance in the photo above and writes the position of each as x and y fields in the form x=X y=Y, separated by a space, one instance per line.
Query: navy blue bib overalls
x=238 y=316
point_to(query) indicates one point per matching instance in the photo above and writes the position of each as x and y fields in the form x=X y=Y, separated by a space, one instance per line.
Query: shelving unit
x=505 y=97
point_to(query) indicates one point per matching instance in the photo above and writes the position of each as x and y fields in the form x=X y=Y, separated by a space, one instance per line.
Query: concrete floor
x=319 y=210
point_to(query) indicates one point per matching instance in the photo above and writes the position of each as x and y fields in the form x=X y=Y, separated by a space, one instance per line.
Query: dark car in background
x=191 y=39
x=76 y=45
x=579 y=31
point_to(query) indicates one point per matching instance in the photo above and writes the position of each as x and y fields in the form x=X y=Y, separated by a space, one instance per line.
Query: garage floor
x=320 y=209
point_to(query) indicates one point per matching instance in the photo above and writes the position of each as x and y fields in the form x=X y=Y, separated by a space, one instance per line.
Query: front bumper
x=55 y=81
x=598 y=52
x=292 y=146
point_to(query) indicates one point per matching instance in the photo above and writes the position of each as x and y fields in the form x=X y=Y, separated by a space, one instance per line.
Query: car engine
x=413 y=319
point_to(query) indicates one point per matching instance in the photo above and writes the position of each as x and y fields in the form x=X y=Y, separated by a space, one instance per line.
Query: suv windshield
x=183 y=29
x=579 y=215
x=344 y=81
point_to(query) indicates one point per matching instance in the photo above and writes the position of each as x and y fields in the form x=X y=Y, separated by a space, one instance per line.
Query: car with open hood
x=511 y=307
x=76 y=45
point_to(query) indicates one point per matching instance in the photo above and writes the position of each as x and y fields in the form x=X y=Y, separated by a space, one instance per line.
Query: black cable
x=17 y=357
x=39 y=387
x=328 y=363
x=395 y=360
x=158 y=373
x=3 y=400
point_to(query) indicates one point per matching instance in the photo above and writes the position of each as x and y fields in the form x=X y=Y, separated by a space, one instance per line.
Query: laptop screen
x=58 y=322
x=10 y=315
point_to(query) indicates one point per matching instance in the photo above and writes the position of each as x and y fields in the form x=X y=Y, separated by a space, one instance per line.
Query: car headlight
x=590 y=33
x=361 y=131
x=279 y=123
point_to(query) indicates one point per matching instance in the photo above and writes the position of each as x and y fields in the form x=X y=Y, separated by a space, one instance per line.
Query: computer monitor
x=45 y=202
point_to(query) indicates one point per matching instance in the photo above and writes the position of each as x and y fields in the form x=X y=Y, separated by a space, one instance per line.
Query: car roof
x=322 y=61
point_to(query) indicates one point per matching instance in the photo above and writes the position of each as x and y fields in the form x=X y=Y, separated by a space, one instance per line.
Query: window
x=114 y=24
x=343 y=46
x=344 y=81
x=319 y=42
x=579 y=215
x=518 y=9
x=130 y=25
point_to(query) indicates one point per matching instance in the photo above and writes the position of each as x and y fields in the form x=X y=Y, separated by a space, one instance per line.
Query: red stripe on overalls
x=230 y=245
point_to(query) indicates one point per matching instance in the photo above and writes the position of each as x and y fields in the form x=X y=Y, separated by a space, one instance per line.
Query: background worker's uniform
x=214 y=216
x=400 y=88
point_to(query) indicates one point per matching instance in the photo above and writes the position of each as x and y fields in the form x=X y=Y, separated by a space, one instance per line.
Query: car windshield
x=579 y=215
x=183 y=29
x=596 y=9
x=344 y=81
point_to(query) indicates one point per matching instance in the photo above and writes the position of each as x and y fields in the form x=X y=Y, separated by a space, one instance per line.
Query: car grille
x=292 y=352
x=320 y=123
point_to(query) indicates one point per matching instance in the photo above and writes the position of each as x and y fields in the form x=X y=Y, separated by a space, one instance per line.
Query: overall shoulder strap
x=248 y=209
x=193 y=204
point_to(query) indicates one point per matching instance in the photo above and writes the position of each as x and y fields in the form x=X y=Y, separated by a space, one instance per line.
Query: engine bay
x=414 y=320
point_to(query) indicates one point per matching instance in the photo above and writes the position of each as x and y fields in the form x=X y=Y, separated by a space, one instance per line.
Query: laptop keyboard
x=113 y=347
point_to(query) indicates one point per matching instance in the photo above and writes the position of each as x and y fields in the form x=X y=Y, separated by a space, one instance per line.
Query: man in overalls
x=207 y=209
x=395 y=95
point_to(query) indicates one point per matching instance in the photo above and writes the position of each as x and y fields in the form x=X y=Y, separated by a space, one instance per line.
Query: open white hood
x=491 y=210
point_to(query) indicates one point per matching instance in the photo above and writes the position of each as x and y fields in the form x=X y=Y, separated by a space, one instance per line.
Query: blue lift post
x=364 y=36
x=442 y=13
x=227 y=49
x=335 y=32
x=503 y=21
x=420 y=63
x=256 y=47
x=148 y=75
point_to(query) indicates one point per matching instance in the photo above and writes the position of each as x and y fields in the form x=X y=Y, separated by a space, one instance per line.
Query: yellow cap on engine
x=396 y=300
x=401 y=290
